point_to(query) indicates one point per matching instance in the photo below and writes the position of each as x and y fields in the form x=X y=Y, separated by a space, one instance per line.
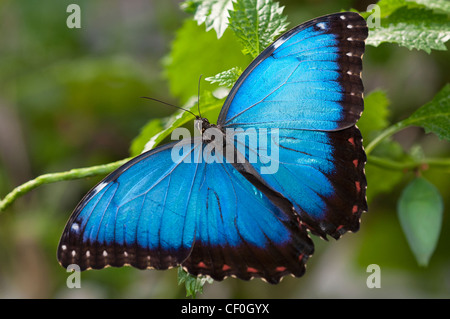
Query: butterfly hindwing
x=242 y=233
x=320 y=173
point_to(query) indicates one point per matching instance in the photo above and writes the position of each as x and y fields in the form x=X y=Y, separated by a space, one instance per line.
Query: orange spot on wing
x=201 y=265
x=226 y=267
x=252 y=270
x=358 y=186
x=351 y=140
x=280 y=268
x=355 y=209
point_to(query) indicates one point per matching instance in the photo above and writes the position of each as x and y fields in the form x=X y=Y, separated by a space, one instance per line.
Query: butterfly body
x=219 y=206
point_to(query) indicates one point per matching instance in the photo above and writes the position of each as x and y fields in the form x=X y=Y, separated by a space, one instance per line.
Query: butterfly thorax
x=209 y=131
x=201 y=124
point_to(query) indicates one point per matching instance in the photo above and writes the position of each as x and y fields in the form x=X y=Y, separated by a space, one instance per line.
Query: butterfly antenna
x=156 y=100
x=198 y=96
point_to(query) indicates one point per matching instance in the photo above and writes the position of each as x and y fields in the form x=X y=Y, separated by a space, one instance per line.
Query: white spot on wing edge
x=99 y=187
x=276 y=44
x=75 y=227
x=321 y=25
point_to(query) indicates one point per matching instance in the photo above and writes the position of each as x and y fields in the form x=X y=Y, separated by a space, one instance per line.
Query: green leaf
x=193 y=284
x=435 y=115
x=190 y=6
x=422 y=36
x=226 y=78
x=378 y=179
x=213 y=13
x=152 y=128
x=195 y=53
x=387 y=7
x=420 y=211
x=413 y=28
x=415 y=16
x=257 y=24
x=443 y=5
x=375 y=115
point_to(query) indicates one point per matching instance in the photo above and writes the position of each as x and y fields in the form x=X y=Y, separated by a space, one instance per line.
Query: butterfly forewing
x=308 y=79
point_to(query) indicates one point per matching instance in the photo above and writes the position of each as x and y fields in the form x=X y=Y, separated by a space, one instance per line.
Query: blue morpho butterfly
x=227 y=218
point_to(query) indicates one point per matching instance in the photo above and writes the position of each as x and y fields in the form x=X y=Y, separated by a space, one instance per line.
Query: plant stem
x=410 y=165
x=75 y=173
x=386 y=133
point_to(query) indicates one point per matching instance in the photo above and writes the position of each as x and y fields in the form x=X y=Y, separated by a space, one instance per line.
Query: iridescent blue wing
x=320 y=173
x=141 y=214
x=307 y=79
x=307 y=85
x=245 y=229
x=159 y=211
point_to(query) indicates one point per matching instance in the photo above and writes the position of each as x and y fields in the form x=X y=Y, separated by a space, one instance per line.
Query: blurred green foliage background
x=71 y=98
